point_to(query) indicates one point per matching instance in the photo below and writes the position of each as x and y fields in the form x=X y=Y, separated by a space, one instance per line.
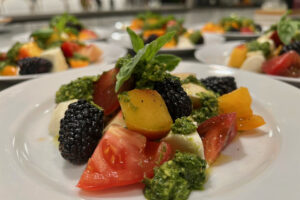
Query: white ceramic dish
x=111 y=53
x=124 y=40
x=103 y=34
x=261 y=164
x=219 y=54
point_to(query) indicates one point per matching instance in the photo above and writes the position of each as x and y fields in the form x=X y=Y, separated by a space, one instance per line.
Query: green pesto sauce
x=209 y=107
x=81 y=88
x=256 y=46
x=175 y=179
x=191 y=79
x=183 y=126
x=147 y=74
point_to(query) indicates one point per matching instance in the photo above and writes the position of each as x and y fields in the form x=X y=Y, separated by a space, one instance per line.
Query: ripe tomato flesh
x=122 y=157
x=216 y=133
x=280 y=65
x=69 y=48
x=104 y=91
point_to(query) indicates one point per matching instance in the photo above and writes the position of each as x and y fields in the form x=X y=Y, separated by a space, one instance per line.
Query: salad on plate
x=150 y=26
x=55 y=48
x=274 y=53
x=232 y=24
x=139 y=123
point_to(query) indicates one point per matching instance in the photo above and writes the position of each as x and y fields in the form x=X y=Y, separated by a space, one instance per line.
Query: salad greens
x=13 y=52
x=176 y=178
x=184 y=126
x=287 y=28
x=256 y=46
x=66 y=23
x=137 y=42
x=143 y=56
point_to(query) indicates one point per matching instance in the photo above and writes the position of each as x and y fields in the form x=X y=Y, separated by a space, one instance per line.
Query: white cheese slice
x=184 y=42
x=192 y=90
x=57 y=115
x=253 y=61
x=57 y=58
x=190 y=143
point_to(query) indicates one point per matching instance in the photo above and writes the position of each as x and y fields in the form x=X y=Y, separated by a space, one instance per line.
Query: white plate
x=111 y=53
x=102 y=33
x=219 y=54
x=124 y=40
x=261 y=164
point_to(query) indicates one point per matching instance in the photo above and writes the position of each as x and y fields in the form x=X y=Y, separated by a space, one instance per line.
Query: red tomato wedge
x=69 y=48
x=280 y=64
x=246 y=30
x=216 y=133
x=122 y=157
x=276 y=39
x=104 y=91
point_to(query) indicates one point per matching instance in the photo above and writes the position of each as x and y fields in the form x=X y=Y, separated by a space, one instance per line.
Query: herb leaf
x=44 y=33
x=287 y=29
x=147 y=53
x=136 y=41
x=13 y=52
x=171 y=61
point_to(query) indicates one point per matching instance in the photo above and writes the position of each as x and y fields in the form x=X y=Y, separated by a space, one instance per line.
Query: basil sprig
x=145 y=54
x=287 y=29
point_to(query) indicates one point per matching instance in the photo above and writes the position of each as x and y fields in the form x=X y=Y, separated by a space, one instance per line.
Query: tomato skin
x=104 y=91
x=216 y=133
x=246 y=30
x=280 y=64
x=69 y=48
x=276 y=39
x=136 y=159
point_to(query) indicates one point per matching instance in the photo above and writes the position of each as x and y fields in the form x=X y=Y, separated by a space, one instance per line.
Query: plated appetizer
x=52 y=49
x=138 y=123
x=152 y=26
x=274 y=53
x=232 y=23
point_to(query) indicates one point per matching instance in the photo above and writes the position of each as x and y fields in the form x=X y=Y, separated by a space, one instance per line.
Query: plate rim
x=221 y=45
x=32 y=82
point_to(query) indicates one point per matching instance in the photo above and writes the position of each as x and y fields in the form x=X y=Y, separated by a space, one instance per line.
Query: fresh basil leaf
x=78 y=56
x=136 y=41
x=126 y=70
x=13 y=52
x=156 y=45
x=287 y=29
x=147 y=53
x=43 y=34
x=171 y=61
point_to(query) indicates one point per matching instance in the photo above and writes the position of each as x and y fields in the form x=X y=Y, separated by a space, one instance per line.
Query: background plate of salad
x=258 y=165
x=109 y=53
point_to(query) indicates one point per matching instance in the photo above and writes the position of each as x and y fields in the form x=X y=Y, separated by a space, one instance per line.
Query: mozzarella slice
x=57 y=58
x=192 y=90
x=184 y=42
x=253 y=62
x=57 y=115
x=190 y=143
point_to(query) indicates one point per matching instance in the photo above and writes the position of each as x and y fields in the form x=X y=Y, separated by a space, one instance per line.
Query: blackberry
x=151 y=38
x=80 y=131
x=176 y=99
x=220 y=85
x=74 y=25
x=34 y=65
x=293 y=46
